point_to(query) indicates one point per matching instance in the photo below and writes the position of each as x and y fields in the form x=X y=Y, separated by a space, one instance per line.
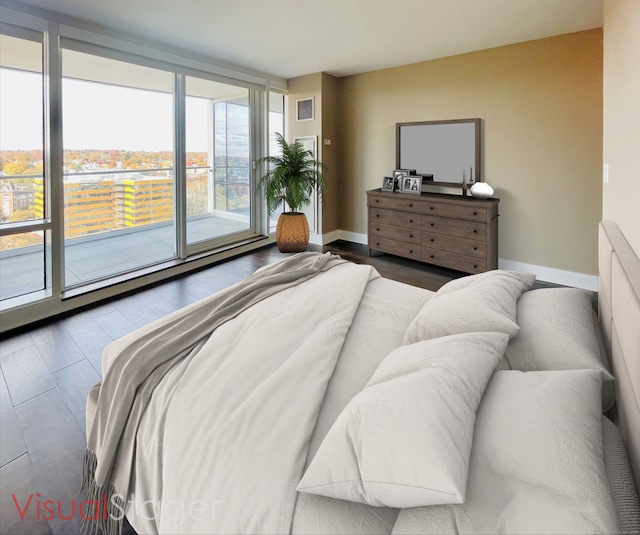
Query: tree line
x=30 y=162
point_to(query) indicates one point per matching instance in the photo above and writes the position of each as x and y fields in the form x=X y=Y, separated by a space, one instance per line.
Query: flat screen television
x=448 y=150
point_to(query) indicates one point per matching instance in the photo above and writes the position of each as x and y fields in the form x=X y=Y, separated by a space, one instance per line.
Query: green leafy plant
x=291 y=177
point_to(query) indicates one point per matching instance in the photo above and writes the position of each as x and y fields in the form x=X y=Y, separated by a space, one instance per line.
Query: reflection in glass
x=218 y=160
x=276 y=125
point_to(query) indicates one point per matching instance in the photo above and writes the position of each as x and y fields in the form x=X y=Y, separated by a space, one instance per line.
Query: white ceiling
x=290 y=38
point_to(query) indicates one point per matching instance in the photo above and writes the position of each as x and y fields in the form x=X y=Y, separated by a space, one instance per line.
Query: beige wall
x=324 y=90
x=622 y=116
x=309 y=86
x=541 y=105
x=331 y=153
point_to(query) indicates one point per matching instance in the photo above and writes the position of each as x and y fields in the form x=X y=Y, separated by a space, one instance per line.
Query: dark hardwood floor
x=48 y=369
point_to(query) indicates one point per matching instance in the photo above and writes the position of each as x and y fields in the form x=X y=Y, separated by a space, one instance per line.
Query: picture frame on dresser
x=412 y=184
x=397 y=173
x=387 y=183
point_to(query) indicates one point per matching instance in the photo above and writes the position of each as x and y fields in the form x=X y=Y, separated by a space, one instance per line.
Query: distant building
x=14 y=197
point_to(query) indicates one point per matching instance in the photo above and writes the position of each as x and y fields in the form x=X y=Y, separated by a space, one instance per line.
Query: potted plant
x=291 y=177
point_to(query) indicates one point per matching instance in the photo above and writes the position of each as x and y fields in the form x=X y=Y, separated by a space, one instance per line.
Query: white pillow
x=537 y=461
x=558 y=331
x=405 y=440
x=485 y=302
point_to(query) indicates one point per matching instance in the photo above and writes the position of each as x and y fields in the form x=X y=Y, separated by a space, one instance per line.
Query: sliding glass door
x=218 y=162
x=119 y=178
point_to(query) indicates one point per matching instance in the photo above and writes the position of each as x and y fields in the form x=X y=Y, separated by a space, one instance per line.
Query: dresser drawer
x=464 y=246
x=405 y=203
x=391 y=217
x=454 y=227
x=390 y=232
x=451 y=260
x=396 y=248
x=459 y=211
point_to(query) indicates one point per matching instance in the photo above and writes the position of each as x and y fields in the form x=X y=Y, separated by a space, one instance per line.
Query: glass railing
x=97 y=202
x=121 y=215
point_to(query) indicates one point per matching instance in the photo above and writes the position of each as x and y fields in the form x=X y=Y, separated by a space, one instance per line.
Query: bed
x=337 y=401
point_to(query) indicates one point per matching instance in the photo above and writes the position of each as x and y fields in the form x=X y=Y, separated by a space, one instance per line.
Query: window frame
x=33 y=30
x=57 y=31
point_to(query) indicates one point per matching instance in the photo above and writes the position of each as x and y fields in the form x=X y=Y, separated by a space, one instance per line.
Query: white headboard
x=619 y=311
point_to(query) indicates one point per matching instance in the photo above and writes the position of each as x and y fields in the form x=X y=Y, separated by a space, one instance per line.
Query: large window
x=119 y=177
x=276 y=125
x=218 y=166
x=116 y=157
x=231 y=156
x=22 y=201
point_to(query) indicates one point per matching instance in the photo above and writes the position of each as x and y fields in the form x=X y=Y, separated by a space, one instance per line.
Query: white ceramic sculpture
x=481 y=190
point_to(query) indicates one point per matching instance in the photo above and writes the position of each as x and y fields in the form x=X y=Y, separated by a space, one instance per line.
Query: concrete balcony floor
x=94 y=257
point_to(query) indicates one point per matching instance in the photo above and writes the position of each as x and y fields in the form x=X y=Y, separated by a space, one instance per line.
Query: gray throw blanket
x=125 y=391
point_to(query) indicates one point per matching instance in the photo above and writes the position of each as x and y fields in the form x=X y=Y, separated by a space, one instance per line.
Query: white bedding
x=405 y=440
x=533 y=469
x=363 y=350
x=234 y=422
x=242 y=489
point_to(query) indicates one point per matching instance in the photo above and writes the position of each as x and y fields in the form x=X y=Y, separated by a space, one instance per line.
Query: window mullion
x=53 y=150
x=179 y=165
x=258 y=127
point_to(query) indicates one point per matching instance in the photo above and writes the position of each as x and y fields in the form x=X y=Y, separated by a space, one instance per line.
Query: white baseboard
x=323 y=239
x=542 y=273
x=345 y=235
x=556 y=276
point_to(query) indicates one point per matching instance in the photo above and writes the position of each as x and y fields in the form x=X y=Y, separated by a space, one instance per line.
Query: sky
x=95 y=116
x=20 y=110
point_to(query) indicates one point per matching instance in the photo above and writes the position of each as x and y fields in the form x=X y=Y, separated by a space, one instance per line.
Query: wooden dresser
x=451 y=231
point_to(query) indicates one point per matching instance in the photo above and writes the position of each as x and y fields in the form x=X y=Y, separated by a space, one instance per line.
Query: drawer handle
x=432 y=224
x=433 y=239
x=410 y=235
x=475 y=248
x=475 y=266
x=475 y=232
x=475 y=213
x=411 y=251
x=377 y=243
x=377 y=200
x=410 y=220
x=431 y=208
x=379 y=231
x=377 y=215
x=410 y=205
x=432 y=256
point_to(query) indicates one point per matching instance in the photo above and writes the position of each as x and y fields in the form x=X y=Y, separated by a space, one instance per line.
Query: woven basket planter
x=292 y=232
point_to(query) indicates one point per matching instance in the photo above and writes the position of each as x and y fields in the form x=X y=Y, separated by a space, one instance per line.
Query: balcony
x=120 y=221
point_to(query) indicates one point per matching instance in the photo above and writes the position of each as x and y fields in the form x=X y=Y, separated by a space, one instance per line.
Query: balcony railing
x=107 y=200
x=100 y=209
